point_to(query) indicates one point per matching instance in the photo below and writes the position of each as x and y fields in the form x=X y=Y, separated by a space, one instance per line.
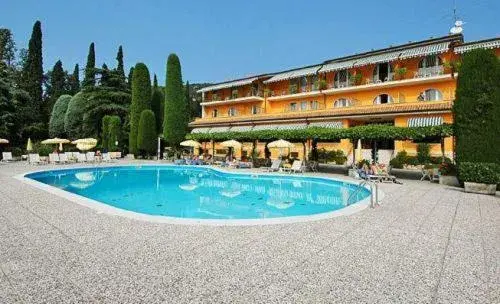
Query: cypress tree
x=104 y=75
x=73 y=119
x=157 y=100
x=114 y=132
x=33 y=74
x=129 y=78
x=188 y=101
x=119 y=57
x=89 y=79
x=175 y=115
x=146 y=139
x=106 y=120
x=141 y=100
x=57 y=84
x=74 y=80
x=477 y=108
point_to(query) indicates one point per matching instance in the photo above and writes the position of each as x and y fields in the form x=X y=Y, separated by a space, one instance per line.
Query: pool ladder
x=373 y=192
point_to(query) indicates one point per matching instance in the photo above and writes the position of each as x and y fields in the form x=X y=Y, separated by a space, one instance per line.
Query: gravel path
x=425 y=244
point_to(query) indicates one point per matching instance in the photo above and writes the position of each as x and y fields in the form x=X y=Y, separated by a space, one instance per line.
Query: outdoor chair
x=80 y=157
x=54 y=158
x=34 y=159
x=275 y=166
x=63 y=158
x=7 y=157
x=296 y=167
x=106 y=157
x=90 y=157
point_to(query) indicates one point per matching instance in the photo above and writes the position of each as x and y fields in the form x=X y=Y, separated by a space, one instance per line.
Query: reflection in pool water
x=197 y=192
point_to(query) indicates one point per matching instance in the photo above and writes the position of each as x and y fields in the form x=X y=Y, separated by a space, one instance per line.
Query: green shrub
x=423 y=153
x=56 y=122
x=399 y=160
x=146 y=136
x=448 y=168
x=105 y=131
x=16 y=151
x=486 y=173
x=73 y=119
x=114 y=133
x=43 y=150
x=477 y=108
x=325 y=156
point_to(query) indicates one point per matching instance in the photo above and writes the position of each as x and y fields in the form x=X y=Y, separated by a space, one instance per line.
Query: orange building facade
x=407 y=85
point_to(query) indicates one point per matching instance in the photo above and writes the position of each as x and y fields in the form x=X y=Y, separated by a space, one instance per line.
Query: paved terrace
x=426 y=244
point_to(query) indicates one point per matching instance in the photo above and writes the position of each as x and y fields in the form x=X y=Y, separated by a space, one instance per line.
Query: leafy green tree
x=114 y=133
x=119 y=57
x=105 y=131
x=129 y=78
x=73 y=119
x=89 y=79
x=104 y=75
x=141 y=100
x=477 y=108
x=146 y=136
x=7 y=106
x=7 y=47
x=175 y=117
x=56 y=122
x=74 y=81
x=33 y=78
x=56 y=85
x=157 y=101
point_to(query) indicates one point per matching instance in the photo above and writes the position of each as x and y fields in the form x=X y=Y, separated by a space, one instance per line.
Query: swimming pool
x=201 y=193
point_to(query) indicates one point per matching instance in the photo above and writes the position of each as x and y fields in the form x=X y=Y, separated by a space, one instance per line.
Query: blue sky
x=222 y=40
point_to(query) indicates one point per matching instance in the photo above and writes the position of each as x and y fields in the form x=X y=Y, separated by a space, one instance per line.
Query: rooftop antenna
x=457 y=28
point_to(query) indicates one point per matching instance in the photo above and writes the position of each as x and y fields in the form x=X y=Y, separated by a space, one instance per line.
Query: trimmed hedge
x=485 y=173
x=375 y=132
x=73 y=120
x=146 y=136
x=56 y=122
x=141 y=100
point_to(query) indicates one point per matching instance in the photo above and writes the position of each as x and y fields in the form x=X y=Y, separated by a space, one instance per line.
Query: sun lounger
x=81 y=158
x=275 y=166
x=34 y=159
x=296 y=167
x=7 y=157
x=106 y=157
x=245 y=165
x=54 y=158
x=90 y=157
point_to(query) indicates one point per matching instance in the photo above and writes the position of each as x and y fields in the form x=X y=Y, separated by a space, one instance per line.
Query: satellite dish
x=457 y=29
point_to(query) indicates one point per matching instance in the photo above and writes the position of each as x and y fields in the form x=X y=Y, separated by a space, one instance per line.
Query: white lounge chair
x=106 y=157
x=63 y=158
x=7 y=157
x=80 y=157
x=91 y=156
x=54 y=158
x=69 y=156
x=275 y=166
x=296 y=167
x=34 y=159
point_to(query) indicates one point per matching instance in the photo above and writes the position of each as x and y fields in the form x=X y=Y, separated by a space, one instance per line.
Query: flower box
x=480 y=188
x=449 y=180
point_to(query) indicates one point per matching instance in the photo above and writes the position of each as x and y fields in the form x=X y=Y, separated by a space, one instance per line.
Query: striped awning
x=293 y=74
x=385 y=57
x=327 y=124
x=430 y=49
x=229 y=84
x=241 y=128
x=219 y=129
x=299 y=126
x=200 y=130
x=337 y=65
x=425 y=121
x=490 y=44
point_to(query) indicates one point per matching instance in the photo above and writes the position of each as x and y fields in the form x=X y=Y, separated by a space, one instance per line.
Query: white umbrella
x=55 y=141
x=190 y=143
x=281 y=144
x=3 y=141
x=231 y=144
x=85 y=144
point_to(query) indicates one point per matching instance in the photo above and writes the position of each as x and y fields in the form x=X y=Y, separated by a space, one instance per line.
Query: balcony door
x=382 y=72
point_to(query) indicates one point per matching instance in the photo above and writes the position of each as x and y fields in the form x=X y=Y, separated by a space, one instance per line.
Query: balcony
x=358 y=109
x=250 y=97
x=423 y=75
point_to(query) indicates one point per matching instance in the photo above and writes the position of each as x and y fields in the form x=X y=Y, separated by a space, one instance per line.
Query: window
x=430 y=61
x=430 y=95
x=255 y=110
x=303 y=106
x=234 y=94
x=303 y=84
x=293 y=106
x=341 y=79
x=314 y=105
x=383 y=72
x=215 y=96
x=214 y=113
x=232 y=112
x=342 y=102
x=382 y=99
x=314 y=82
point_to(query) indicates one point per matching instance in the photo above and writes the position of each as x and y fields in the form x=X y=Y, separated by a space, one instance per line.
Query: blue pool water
x=202 y=193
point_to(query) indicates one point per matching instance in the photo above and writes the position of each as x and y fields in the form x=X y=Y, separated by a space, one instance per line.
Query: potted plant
x=479 y=177
x=448 y=173
x=320 y=84
x=292 y=89
x=452 y=66
x=400 y=72
x=356 y=78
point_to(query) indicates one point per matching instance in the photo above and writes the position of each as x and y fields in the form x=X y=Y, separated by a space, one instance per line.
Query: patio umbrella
x=281 y=144
x=231 y=144
x=358 y=154
x=3 y=141
x=55 y=141
x=191 y=143
x=85 y=144
x=29 y=145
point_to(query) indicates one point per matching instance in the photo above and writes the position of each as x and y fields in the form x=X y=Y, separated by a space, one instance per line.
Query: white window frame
x=314 y=105
x=377 y=99
x=232 y=111
x=437 y=94
x=337 y=82
x=342 y=103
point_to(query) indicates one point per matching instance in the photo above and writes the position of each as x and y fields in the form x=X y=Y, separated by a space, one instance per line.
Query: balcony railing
x=302 y=108
x=216 y=97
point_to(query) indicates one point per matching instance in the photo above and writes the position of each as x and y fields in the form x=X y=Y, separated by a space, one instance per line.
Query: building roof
x=232 y=83
x=294 y=73
x=483 y=44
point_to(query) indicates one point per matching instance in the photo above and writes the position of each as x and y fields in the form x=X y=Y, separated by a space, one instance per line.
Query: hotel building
x=406 y=85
